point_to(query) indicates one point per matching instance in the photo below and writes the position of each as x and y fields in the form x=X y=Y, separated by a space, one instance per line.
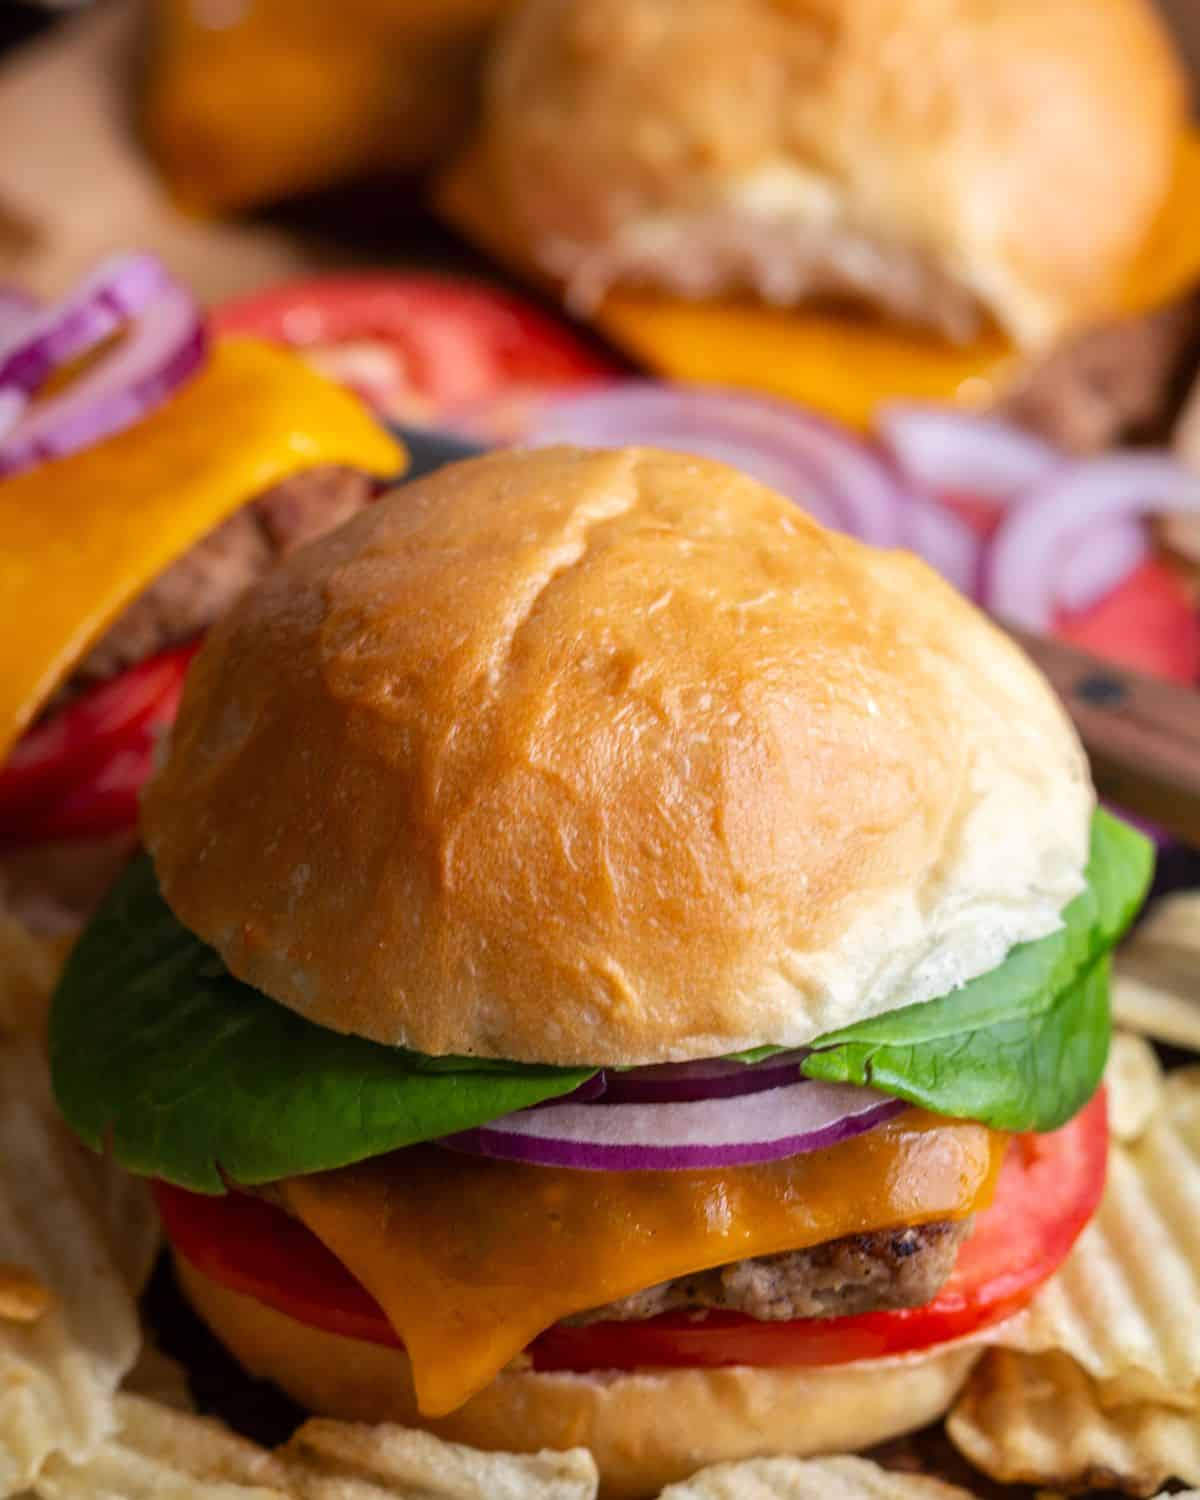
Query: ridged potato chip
x=809 y=1479
x=1171 y=923
x=23 y=1298
x=1156 y=986
x=1181 y=1099
x=1146 y=1005
x=86 y=1233
x=1126 y=1305
x=28 y=968
x=161 y=1454
x=1134 y=1080
x=1038 y=1419
x=158 y=1377
x=134 y=1231
x=347 y=1461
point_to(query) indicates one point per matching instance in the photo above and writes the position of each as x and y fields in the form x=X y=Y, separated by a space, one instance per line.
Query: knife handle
x=1141 y=735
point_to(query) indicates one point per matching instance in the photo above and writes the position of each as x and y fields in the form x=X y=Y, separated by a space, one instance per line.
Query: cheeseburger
x=613 y=963
x=155 y=472
x=846 y=200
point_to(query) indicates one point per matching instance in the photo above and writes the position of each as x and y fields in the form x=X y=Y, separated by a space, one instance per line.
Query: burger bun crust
x=934 y=157
x=583 y=757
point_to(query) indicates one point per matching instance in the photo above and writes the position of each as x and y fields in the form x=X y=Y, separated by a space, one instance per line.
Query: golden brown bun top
x=610 y=757
x=1017 y=150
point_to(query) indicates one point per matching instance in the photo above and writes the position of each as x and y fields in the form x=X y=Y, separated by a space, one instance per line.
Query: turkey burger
x=614 y=963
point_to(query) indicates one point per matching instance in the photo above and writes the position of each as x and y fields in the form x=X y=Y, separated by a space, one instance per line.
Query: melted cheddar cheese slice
x=84 y=535
x=472 y=1259
x=836 y=363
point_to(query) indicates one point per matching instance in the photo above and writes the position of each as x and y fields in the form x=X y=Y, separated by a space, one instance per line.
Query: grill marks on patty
x=888 y=1268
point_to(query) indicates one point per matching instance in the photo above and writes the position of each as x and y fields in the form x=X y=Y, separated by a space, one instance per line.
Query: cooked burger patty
x=1119 y=381
x=861 y=1273
x=873 y=1272
x=53 y=887
x=197 y=589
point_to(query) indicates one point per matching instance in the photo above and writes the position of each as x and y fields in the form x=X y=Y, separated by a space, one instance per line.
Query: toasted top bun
x=610 y=757
x=937 y=157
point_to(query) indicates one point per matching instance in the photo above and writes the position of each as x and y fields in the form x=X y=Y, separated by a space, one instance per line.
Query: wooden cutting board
x=75 y=184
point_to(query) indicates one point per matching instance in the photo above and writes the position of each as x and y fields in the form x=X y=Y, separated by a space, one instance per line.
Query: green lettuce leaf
x=200 y=1079
x=191 y=1074
x=1023 y=1046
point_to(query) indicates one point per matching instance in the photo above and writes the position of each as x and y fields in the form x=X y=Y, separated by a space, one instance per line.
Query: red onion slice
x=710 y=1078
x=44 y=340
x=12 y=407
x=1099 y=561
x=1024 y=565
x=945 y=542
x=779 y=1122
x=946 y=451
x=163 y=347
x=824 y=468
x=16 y=307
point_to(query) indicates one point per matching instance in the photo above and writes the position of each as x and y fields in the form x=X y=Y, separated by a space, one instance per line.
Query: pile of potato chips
x=1157 y=990
x=1097 y=1383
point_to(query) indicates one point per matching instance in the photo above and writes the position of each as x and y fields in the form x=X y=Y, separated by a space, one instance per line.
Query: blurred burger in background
x=249 y=103
x=149 y=472
x=841 y=203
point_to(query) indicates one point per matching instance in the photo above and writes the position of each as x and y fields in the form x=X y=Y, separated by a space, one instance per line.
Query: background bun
x=611 y=757
x=935 y=156
x=645 y=1429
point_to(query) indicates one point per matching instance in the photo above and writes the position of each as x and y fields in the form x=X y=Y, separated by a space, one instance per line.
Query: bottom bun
x=645 y=1429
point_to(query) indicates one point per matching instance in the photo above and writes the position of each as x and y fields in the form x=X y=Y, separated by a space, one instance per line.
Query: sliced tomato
x=1050 y=1186
x=1148 y=623
x=421 y=347
x=79 y=773
x=251 y=1247
x=982 y=516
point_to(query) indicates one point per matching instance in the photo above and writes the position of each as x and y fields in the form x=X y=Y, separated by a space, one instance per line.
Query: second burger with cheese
x=151 y=472
x=614 y=963
x=846 y=201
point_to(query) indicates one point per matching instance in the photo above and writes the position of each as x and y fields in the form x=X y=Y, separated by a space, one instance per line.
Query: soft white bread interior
x=939 y=158
x=611 y=757
x=645 y=1429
